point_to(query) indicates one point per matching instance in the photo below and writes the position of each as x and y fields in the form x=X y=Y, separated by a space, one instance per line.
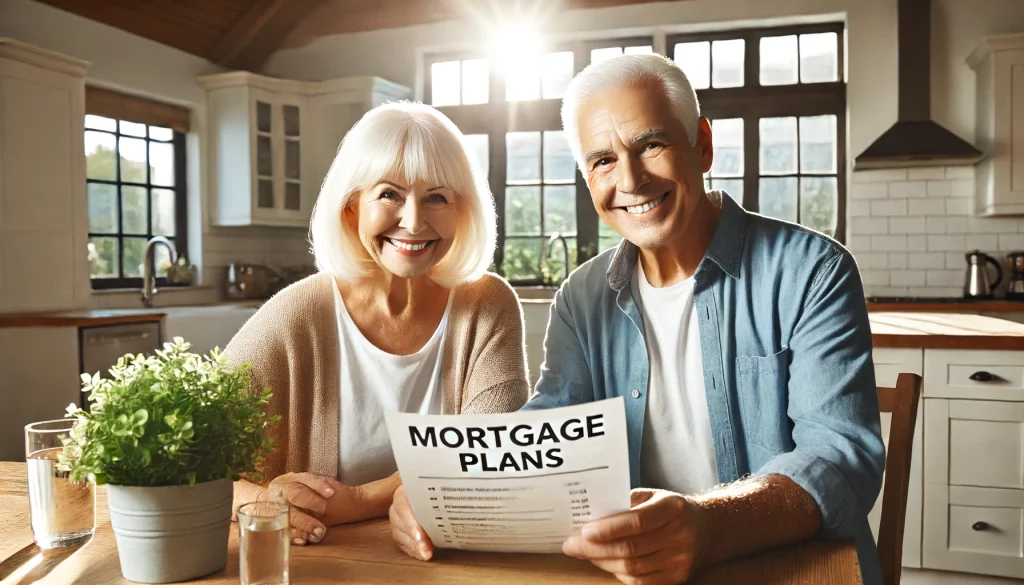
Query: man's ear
x=704 y=143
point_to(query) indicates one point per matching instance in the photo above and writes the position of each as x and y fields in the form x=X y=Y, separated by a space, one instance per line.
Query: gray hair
x=418 y=143
x=626 y=71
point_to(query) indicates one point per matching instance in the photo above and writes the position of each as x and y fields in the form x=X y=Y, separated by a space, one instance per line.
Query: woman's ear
x=350 y=213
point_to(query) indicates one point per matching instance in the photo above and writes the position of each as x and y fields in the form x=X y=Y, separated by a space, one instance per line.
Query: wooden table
x=945 y=331
x=364 y=553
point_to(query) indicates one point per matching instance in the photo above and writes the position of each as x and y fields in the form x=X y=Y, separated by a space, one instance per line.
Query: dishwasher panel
x=102 y=346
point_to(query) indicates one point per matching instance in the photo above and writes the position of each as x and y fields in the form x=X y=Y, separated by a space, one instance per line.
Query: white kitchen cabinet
x=992 y=375
x=272 y=141
x=43 y=213
x=889 y=364
x=999 y=68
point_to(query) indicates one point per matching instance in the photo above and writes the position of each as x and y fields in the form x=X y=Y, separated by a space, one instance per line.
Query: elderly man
x=741 y=345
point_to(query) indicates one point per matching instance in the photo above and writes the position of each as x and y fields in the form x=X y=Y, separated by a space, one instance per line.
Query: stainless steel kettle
x=976 y=282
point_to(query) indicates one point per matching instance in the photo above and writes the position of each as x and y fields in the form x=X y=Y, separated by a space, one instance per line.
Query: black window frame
x=179 y=188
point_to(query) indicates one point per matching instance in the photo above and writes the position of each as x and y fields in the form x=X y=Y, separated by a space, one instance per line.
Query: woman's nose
x=412 y=216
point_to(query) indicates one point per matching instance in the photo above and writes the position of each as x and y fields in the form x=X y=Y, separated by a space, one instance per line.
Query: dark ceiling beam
x=259 y=32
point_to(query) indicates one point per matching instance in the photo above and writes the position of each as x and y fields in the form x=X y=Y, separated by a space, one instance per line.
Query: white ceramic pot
x=171 y=533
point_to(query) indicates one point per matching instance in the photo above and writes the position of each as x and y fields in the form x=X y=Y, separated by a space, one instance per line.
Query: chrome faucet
x=148 y=278
x=565 y=248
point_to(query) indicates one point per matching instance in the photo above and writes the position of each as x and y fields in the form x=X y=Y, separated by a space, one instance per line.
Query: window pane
x=99 y=156
x=819 y=57
x=162 y=259
x=133 y=159
x=641 y=50
x=291 y=120
x=522 y=211
x=291 y=161
x=734 y=187
x=727 y=136
x=265 y=194
x=262 y=117
x=103 y=255
x=163 y=212
x=727 y=63
x=598 y=55
x=777 y=197
x=477 y=145
x=475 y=81
x=779 y=61
x=132 y=129
x=818 y=144
x=819 y=202
x=100 y=123
x=264 y=159
x=522 y=78
x=560 y=210
x=523 y=163
x=132 y=255
x=102 y=208
x=778 y=146
x=161 y=161
x=557 y=74
x=605 y=243
x=522 y=258
x=134 y=210
x=444 y=83
x=695 y=60
x=554 y=262
x=158 y=133
x=558 y=162
x=292 y=196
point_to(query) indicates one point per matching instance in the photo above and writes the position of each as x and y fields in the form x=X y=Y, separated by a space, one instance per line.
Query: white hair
x=629 y=71
x=417 y=143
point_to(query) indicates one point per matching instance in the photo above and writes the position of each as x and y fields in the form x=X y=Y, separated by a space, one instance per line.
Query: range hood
x=915 y=140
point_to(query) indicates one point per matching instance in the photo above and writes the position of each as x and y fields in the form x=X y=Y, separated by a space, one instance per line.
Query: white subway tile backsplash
x=908 y=189
x=907 y=278
x=927 y=260
x=858 y=208
x=858 y=243
x=872 y=260
x=945 y=243
x=958 y=206
x=888 y=208
x=926 y=173
x=955 y=225
x=907 y=225
x=992 y=225
x=880 y=176
x=961 y=188
x=981 y=242
x=875 y=277
x=917 y=243
x=869 y=191
x=934 y=291
x=960 y=172
x=1011 y=242
x=955 y=260
x=935 y=225
x=869 y=225
x=948 y=278
x=888 y=291
x=897 y=261
x=935 y=206
x=938 y=188
x=889 y=243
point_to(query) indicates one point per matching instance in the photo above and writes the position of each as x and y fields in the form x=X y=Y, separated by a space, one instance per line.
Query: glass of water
x=62 y=511
x=264 y=547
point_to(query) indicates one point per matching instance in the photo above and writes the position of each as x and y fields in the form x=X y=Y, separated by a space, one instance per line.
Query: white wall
x=132 y=64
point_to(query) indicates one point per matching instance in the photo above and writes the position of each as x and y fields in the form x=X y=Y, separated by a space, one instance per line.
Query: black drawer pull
x=982 y=377
x=979 y=526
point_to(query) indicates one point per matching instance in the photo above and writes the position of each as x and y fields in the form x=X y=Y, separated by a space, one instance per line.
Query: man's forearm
x=371 y=500
x=245 y=491
x=752 y=515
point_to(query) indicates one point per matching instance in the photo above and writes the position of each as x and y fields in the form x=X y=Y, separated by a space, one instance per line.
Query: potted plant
x=168 y=434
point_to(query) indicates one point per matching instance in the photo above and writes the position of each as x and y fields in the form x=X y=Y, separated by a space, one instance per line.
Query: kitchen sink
x=206 y=327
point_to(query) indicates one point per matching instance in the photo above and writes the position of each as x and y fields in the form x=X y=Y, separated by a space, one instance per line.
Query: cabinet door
x=266 y=195
x=889 y=364
x=974 y=501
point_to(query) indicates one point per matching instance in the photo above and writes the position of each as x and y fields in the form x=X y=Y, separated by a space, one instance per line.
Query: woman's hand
x=308 y=495
x=407 y=532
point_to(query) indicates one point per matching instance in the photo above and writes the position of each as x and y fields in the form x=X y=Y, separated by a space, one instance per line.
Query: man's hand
x=307 y=494
x=407 y=532
x=657 y=542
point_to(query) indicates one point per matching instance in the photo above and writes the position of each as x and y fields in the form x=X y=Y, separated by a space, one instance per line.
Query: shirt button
x=635 y=394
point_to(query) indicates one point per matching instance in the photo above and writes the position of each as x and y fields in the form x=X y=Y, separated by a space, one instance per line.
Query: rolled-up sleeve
x=839 y=456
x=564 y=376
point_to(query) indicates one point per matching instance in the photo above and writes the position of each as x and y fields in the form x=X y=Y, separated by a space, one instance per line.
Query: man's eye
x=602 y=162
x=651 y=146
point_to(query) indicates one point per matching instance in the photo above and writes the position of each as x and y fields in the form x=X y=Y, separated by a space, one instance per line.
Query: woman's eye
x=437 y=198
x=388 y=194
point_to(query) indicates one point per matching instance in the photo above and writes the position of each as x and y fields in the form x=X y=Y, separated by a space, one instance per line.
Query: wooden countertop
x=365 y=553
x=82 y=318
x=994 y=306
x=945 y=331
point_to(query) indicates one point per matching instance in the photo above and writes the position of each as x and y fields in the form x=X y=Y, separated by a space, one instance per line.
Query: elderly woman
x=401 y=317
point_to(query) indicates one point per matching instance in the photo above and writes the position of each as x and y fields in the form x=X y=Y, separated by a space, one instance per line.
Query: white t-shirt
x=373 y=382
x=677 y=452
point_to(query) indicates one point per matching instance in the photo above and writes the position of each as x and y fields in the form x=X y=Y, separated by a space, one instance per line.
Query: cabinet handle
x=982 y=377
x=979 y=526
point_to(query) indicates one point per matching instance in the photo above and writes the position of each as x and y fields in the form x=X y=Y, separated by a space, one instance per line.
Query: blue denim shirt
x=786 y=349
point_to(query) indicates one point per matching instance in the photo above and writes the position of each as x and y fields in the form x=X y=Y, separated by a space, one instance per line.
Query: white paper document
x=515 y=482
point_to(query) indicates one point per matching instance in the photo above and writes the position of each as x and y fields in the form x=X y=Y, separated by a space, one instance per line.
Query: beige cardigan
x=292 y=344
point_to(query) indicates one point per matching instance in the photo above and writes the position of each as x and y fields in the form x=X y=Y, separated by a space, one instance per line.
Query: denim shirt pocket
x=762 y=382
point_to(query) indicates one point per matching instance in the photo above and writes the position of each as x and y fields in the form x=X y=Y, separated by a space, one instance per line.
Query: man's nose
x=632 y=175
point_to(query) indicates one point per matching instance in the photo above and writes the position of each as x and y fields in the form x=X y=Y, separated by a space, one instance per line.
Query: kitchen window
x=135 y=184
x=775 y=97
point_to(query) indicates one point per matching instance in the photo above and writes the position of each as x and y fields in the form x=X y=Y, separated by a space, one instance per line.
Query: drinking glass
x=264 y=547
x=62 y=511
